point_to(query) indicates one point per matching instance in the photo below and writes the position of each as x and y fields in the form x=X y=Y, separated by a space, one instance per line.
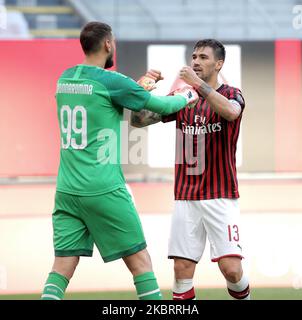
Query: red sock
x=240 y=295
x=189 y=295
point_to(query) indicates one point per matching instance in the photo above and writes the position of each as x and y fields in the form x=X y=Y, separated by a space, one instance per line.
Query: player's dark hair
x=218 y=47
x=92 y=35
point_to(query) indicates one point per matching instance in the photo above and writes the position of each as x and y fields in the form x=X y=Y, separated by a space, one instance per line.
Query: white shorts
x=195 y=221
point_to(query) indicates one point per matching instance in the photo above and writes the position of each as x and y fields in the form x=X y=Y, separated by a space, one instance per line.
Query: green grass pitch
x=201 y=294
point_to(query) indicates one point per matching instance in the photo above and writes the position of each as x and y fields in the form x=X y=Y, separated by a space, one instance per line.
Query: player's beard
x=109 y=62
x=201 y=75
x=207 y=77
x=206 y=74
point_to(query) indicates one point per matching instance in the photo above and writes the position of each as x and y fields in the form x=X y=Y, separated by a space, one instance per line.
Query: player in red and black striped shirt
x=206 y=145
x=206 y=187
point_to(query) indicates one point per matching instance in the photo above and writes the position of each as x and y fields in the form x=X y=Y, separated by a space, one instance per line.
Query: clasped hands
x=187 y=74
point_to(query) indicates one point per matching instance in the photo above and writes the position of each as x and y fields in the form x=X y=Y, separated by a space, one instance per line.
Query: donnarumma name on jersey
x=73 y=88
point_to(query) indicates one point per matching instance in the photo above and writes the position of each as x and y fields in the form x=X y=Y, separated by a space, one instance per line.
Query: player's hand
x=147 y=83
x=154 y=74
x=188 y=75
x=189 y=94
x=149 y=80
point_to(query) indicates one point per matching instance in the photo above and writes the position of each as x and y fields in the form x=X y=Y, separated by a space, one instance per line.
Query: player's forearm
x=144 y=118
x=163 y=106
x=217 y=102
x=166 y=105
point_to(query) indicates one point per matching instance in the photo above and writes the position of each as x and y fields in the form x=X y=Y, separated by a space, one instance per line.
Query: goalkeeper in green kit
x=92 y=204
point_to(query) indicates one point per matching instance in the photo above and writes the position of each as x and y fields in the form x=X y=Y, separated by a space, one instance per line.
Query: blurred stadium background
x=39 y=38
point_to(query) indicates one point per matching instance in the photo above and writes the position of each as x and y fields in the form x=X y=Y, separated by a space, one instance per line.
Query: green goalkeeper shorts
x=109 y=220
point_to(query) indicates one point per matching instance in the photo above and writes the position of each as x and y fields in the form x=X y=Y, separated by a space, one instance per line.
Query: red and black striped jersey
x=205 y=159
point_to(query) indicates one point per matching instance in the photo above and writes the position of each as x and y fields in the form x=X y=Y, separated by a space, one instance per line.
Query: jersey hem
x=179 y=257
x=90 y=194
x=125 y=253
x=215 y=196
x=71 y=253
x=235 y=255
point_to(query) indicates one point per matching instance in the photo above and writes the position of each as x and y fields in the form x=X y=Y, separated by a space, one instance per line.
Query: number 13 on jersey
x=73 y=124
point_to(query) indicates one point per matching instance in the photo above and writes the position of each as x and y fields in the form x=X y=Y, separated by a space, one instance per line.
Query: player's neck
x=95 y=60
x=214 y=83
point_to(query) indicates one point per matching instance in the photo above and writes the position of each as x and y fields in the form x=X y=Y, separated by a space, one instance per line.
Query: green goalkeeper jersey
x=90 y=103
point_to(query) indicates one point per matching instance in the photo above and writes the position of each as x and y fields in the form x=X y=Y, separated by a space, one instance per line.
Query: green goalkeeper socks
x=147 y=287
x=55 y=287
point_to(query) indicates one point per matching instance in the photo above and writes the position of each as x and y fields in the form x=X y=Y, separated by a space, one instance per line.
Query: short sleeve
x=235 y=94
x=126 y=93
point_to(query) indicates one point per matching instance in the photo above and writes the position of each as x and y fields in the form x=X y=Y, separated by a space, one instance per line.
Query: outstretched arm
x=158 y=105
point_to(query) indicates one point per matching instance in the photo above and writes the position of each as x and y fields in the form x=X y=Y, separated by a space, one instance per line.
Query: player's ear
x=219 y=64
x=107 y=45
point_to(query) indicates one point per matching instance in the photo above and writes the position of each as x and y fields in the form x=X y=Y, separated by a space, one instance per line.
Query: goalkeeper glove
x=149 y=79
x=147 y=83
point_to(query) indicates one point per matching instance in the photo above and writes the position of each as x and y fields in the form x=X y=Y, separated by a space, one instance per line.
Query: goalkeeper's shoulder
x=120 y=76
